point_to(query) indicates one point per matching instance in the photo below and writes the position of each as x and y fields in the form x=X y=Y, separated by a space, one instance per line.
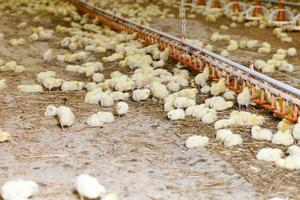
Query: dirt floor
x=139 y=156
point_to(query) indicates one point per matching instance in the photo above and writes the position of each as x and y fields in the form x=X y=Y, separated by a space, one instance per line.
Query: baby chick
x=121 y=108
x=89 y=187
x=4 y=136
x=65 y=116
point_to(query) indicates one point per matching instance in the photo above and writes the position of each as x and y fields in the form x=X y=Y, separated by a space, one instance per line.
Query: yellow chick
x=285 y=125
x=4 y=136
x=218 y=88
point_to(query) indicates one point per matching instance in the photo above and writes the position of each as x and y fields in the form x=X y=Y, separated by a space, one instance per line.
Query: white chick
x=283 y=138
x=196 y=141
x=246 y=119
x=259 y=133
x=184 y=102
x=93 y=97
x=264 y=50
x=223 y=123
x=51 y=111
x=176 y=114
x=140 y=94
x=292 y=52
x=286 y=67
x=89 y=187
x=51 y=83
x=4 y=136
x=19 y=190
x=48 y=55
x=268 y=68
x=100 y=118
x=285 y=125
x=200 y=111
x=209 y=117
x=244 y=98
x=173 y=86
x=218 y=88
x=251 y=44
x=290 y=162
x=233 y=45
x=113 y=57
x=30 y=88
x=229 y=95
x=269 y=154
x=205 y=89
x=296 y=131
x=97 y=77
x=294 y=150
x=90 y=86
x=222 y=134
x=124 y=85
x=224 y=53
x=69 y=86
x=201 y=78
x=159 y=90
x=190 y=110
x=260 y=64
x=279 y=57
x=218 y=103
x=106 y=99
x=120 y=96
x=232 y=140
x=43 y=75
x=115 y=74
x=121 y=108
x=94 y=120
x=65 y=116
x=158 y=64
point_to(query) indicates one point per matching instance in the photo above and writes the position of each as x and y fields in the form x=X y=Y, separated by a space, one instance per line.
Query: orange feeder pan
x=281 y=16
x=256 y=12
x=201 y=2
x=216 y=4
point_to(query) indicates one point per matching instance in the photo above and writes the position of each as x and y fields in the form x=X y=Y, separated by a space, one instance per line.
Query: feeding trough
x=234 y=7
x=281 y=16
x=215 y=5
x=256 y=12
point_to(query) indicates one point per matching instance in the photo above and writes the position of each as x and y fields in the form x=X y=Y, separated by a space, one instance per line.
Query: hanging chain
x=183 y=21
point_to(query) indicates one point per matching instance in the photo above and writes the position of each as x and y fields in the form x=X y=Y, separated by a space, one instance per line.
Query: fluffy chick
x=218 y=88
x=51 y=111
x=100 y=118
x=259 y=133
x=196 y=141
x=121 y=108
x=201 y=78
x=244 y=98
x=176 y=114
x=4 y=136
x=48 y=55
x=269 y=154
x=89 y=187
x=19 y=189
x=283 y=138
x=65 y=116
x=140 y=94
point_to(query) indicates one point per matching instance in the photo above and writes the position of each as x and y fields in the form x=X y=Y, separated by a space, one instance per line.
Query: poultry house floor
x=140 y=156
